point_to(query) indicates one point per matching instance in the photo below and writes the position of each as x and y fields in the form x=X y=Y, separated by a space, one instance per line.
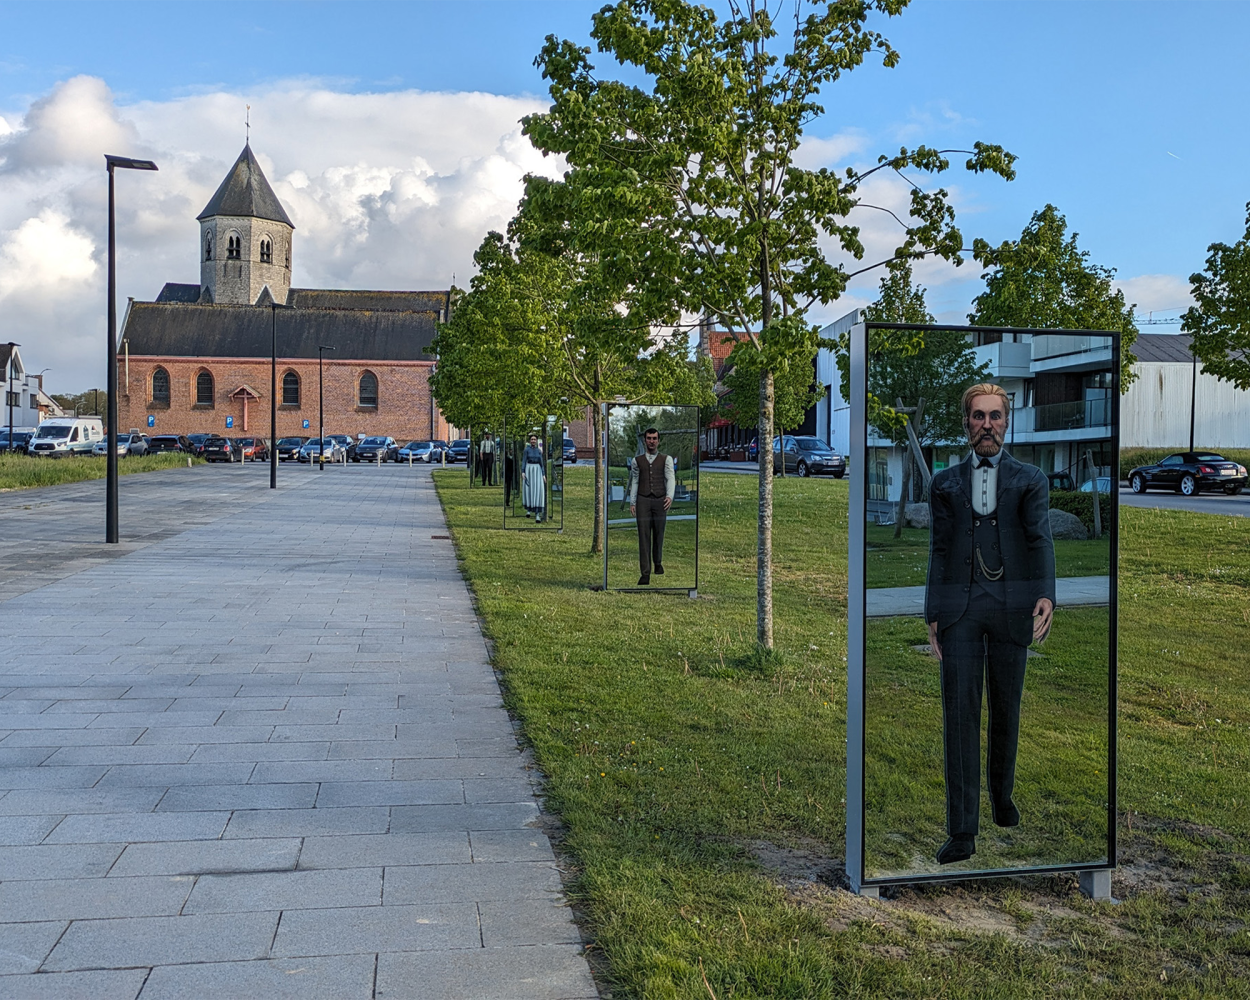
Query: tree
x=1043 y=280
x=93 y=401
x=707 y=150
x=1219 y=321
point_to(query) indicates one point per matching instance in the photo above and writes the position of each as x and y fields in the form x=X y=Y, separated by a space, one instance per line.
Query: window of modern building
x=290 y=389
x=208 y=247
x=234 y=247
x=160 y=386
x=266 y=250
x=204 y=389
x=368 y=389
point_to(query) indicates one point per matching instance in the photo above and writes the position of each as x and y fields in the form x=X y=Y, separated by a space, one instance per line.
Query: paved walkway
x=1070 y=592
x=258 y=751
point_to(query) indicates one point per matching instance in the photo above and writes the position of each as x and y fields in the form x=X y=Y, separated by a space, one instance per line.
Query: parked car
x=21 y=439
x=807 y=456
x=1060 y=481
x=1189 y=472
x=1104 y=485
x=311 y=450
x=127 y=444
x=421 y=451
x=61 y=436
x=219 y=449
x=441 y=447
x=570 y=452
x=753 y=450
x=458 y=451
x=288 y=449
x=346 y=442
x=169 y=442
x=197 y=443
x=371 y=448
x=252 y=449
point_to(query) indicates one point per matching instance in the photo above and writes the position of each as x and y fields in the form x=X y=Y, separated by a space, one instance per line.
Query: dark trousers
x=651 y=517
x=975 y=650
x=487 y=465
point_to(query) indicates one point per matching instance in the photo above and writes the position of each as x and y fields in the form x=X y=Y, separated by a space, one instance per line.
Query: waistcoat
x=651 y=476
x=985 y=542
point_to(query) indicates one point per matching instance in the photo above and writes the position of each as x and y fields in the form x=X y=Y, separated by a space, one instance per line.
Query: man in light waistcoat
x=652 y=485
x=990 y=592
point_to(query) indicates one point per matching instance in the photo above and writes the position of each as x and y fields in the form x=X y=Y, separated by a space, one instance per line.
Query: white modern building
x=24 y=398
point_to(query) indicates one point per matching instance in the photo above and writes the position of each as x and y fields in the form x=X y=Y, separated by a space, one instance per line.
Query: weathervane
x=247 y=125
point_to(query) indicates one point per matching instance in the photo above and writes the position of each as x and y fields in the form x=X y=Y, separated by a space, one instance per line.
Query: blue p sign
x=229 y=422
x=151 y=420
x=305 y=425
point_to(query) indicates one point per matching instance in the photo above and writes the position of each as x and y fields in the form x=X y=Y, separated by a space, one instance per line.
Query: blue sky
x=1128 y=116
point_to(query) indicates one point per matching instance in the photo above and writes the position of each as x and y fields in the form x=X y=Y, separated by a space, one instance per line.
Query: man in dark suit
x=990 y=592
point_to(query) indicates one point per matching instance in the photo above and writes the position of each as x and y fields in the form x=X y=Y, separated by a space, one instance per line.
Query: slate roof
x=342 y=298
x=245 y=192
x=1163 y=347
x=174 y=329
x=175 y=292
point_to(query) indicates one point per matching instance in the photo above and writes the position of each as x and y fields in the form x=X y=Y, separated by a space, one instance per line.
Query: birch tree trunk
x=764 y=546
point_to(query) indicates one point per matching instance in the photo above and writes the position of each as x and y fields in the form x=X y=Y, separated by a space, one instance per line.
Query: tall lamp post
x=110 y=515
x=8 y=390
x=321 y=407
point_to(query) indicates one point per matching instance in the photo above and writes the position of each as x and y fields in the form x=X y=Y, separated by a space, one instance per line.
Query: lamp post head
x=128 y=163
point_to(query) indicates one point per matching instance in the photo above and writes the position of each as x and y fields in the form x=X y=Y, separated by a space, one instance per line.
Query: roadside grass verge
x=22 y=472
x=700 y=786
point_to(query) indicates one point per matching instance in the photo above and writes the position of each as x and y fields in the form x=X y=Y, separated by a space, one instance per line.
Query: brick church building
x=198 y=358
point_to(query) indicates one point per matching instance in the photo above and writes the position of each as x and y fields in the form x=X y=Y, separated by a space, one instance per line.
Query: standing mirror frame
x=678 y=540
x=895 y=770
x=533 y=485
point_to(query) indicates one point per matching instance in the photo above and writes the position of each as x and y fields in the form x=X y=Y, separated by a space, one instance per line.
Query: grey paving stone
x=229 y=703
x=50 y=777
x=369 y=850
x=490 y=816
x=391 y=749
x=462 y=767
x=190 y=798
x=370 y=929
x=309 y=822
x=176 y=774
x=23 y=706
x=504 y=924
x=23 y=947
x=550 y=972
x=202 y=857
x=15 y=830
x=211 y=752
x=117 y=704
x=298 y=890
x=57 y=861
x=205 y=734
x=498 y=790
x=282 y=734
x=57 y=738
x=328 y=770
x=101 y=984
x=27 y=756
x=510 y=845
x=90 y=898
x=130 y=941
x=336 y=977
x=79 y=800
x=471 y=883
x=174 y=720
x=389 y=793
x=61 y=720
x=241 y=716
x=121 y=828
x=130 y=754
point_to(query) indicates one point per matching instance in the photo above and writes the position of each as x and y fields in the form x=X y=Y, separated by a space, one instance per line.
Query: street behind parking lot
x=258 y=750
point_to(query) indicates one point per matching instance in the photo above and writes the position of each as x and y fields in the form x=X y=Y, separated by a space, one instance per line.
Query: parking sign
x=305 y=425
x=229 y=422
x=151 y=420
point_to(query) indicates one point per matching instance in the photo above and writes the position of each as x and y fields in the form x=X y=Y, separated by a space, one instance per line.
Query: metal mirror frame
x=607 y=494
x=1095 y=877
x=475 y=441
x=554 y=471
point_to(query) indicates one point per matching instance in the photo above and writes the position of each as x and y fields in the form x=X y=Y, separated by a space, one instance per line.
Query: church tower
x=245 y=238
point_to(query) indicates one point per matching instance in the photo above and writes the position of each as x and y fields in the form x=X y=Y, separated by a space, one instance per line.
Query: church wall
x=240 y=281
x=403 y=410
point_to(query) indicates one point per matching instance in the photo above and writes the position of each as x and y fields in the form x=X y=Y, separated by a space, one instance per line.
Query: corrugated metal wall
x=1154 y=413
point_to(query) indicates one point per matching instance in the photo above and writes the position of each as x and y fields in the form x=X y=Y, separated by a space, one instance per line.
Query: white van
x=62 y=436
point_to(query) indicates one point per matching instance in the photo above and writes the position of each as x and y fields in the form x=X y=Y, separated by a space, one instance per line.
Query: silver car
x=127 y=444
x=310 y=452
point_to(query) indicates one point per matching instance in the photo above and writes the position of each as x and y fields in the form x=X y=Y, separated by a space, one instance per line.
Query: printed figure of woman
x=534 y=480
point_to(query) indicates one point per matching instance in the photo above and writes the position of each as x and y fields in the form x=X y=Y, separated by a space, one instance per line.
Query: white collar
x=993 y=459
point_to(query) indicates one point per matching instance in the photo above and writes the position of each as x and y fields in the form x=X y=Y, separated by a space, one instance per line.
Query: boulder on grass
x=916 y=515
x=1065 y=525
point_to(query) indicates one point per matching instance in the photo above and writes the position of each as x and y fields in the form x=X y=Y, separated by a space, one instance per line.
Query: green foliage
x=899 y=300
x=1043 y=280
x=1082 y=505
x=1219 y=321
x=92 y=401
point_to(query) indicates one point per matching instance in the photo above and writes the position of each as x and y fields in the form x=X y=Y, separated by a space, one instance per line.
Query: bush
x=1082 y=505
x=1130 y=458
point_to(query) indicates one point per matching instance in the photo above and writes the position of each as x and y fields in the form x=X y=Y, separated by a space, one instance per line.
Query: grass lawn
x=21 y=472
x=701 y=792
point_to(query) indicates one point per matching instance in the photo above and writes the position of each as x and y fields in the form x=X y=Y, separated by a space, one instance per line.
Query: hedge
x=1082 y=505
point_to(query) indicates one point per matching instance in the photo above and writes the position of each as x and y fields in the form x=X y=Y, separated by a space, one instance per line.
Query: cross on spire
x=247 y=126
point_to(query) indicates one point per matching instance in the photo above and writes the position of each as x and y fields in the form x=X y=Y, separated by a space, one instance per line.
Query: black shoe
x=659 y=570
x=1006 y=815
x=956 y=849
x=644 y=580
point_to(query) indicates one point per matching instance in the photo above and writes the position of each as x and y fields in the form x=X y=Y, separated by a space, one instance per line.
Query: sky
x=390 y=132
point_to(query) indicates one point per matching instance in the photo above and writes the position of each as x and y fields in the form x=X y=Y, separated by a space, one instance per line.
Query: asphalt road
x=1207 y=503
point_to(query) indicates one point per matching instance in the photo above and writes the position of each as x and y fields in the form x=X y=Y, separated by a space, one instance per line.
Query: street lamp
x=321 y=407
x=273 y=395
x=110 y=515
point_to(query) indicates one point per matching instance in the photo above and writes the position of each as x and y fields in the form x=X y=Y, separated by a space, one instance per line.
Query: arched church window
x=160 y=386
x=290 y=389
x=208 y=247
x=266 y=250
x=234 y=247
x=204 y=389
x=368 y=395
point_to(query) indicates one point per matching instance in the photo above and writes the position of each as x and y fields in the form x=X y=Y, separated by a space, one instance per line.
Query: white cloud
x=1156 y=293
x=814 y=153
x=390 y=190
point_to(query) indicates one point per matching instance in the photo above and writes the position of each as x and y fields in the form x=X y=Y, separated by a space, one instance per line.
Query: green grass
x=22 y=472
x=700 y=787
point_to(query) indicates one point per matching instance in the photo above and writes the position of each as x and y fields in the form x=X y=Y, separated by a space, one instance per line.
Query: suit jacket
x=1028 y=553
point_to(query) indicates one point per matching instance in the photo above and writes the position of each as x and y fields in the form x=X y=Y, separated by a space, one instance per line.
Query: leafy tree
x=1219 y=322
x=899 y=300
x=1044 y=280
x=92 y=401
x=707 y=152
